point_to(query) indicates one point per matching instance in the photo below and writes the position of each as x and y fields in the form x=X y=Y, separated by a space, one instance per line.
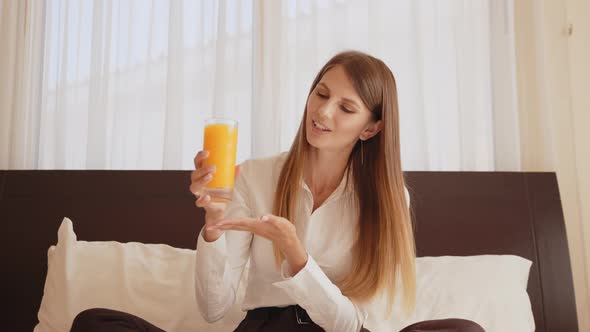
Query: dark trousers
x=291 y=318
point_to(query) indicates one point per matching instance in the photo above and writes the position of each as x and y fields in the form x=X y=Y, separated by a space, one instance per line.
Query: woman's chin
x=318 y=145
x=312 y=141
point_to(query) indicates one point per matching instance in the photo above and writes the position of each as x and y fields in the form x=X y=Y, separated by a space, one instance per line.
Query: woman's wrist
x=211 y=236
x=295 y=255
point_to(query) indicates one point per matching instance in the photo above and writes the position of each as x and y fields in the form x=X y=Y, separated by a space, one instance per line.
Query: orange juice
x=221 y=140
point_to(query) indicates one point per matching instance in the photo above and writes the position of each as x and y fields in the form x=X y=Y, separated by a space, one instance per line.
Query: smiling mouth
x=319 y=126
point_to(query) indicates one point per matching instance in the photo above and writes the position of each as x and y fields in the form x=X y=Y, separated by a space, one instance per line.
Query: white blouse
x=327 y=235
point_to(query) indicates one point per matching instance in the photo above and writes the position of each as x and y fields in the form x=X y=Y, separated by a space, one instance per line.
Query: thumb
x=269 y=217
x=238 y=170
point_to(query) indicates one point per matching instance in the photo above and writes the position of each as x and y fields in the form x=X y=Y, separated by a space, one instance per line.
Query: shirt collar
x=341 y=189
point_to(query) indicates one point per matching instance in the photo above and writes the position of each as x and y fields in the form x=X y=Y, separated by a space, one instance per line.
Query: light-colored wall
x=578 y=14
x=553 y=73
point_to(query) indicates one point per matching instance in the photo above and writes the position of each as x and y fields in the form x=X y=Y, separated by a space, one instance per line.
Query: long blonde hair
x=385 y=248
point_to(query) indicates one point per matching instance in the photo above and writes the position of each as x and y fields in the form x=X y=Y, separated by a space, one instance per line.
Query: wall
x=578 y=15
x=552 y=73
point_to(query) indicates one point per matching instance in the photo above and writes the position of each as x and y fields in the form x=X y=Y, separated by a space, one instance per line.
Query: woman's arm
x=304 y=281
x=309 y=286
x=220 y=263
x=324 y=302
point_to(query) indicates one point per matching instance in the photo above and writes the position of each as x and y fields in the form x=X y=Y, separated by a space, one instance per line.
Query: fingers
x=201 y=176
x=246 y=222
x=198 y=160
x=268 y=217
x=197 y=186
x=214 y=210
x=203 y=201
x=238 y=169
x=231 y=228
x=197 y=174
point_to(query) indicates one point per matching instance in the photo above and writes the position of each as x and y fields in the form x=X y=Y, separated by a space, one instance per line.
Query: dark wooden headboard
x=476 y=212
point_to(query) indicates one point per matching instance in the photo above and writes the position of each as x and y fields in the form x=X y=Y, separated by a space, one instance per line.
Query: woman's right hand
x=214 y=211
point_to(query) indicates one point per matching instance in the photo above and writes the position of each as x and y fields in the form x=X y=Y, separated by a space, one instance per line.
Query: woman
x=326 y=226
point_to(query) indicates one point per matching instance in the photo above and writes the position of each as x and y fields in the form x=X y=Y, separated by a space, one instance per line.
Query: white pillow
x=152 y=281
x=487 y=289
x=155 y=282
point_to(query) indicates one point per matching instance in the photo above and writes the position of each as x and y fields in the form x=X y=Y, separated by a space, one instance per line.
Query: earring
x=362 y=154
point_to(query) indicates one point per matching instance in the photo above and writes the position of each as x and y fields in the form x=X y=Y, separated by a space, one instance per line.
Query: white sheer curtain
x=126 y=84
x=21 y=60
x=453 y=61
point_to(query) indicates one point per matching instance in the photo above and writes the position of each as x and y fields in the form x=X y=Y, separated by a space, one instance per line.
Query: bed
x=516 y=213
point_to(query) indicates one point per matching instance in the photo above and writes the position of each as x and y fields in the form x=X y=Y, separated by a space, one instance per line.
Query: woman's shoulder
x=264 y=166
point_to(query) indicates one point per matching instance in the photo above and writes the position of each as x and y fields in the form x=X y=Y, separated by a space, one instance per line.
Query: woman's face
x=336 y=115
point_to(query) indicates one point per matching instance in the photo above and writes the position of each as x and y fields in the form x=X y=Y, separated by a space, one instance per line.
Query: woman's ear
x=371 y=130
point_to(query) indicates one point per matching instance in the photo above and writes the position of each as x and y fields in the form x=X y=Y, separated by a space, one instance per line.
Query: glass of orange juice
x=221 y=140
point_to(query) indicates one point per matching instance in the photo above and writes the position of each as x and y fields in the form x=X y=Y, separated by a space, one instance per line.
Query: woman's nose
x=327 y=109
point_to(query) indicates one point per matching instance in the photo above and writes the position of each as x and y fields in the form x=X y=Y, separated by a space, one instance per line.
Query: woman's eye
x=341 y=107
x=346 y=110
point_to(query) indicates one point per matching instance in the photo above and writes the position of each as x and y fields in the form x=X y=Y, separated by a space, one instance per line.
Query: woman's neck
x=324 y=170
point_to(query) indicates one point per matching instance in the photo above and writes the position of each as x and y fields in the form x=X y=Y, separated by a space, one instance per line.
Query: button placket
x=305 y=218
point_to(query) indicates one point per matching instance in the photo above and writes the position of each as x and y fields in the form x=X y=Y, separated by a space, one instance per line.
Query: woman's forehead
x=337 y=82
x=336 y=78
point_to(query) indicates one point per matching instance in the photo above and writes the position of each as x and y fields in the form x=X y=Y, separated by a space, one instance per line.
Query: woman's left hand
x=276 y=229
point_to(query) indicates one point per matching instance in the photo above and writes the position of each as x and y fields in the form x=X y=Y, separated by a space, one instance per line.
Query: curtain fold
x=21 y=64
x=453 y=62
x=128 y=84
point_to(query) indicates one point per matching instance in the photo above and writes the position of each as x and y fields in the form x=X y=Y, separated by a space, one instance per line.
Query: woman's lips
x=316 y=127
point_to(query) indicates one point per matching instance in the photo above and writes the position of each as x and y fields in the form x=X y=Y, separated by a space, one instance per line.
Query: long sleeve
x=324 y=302
x=219 y=264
